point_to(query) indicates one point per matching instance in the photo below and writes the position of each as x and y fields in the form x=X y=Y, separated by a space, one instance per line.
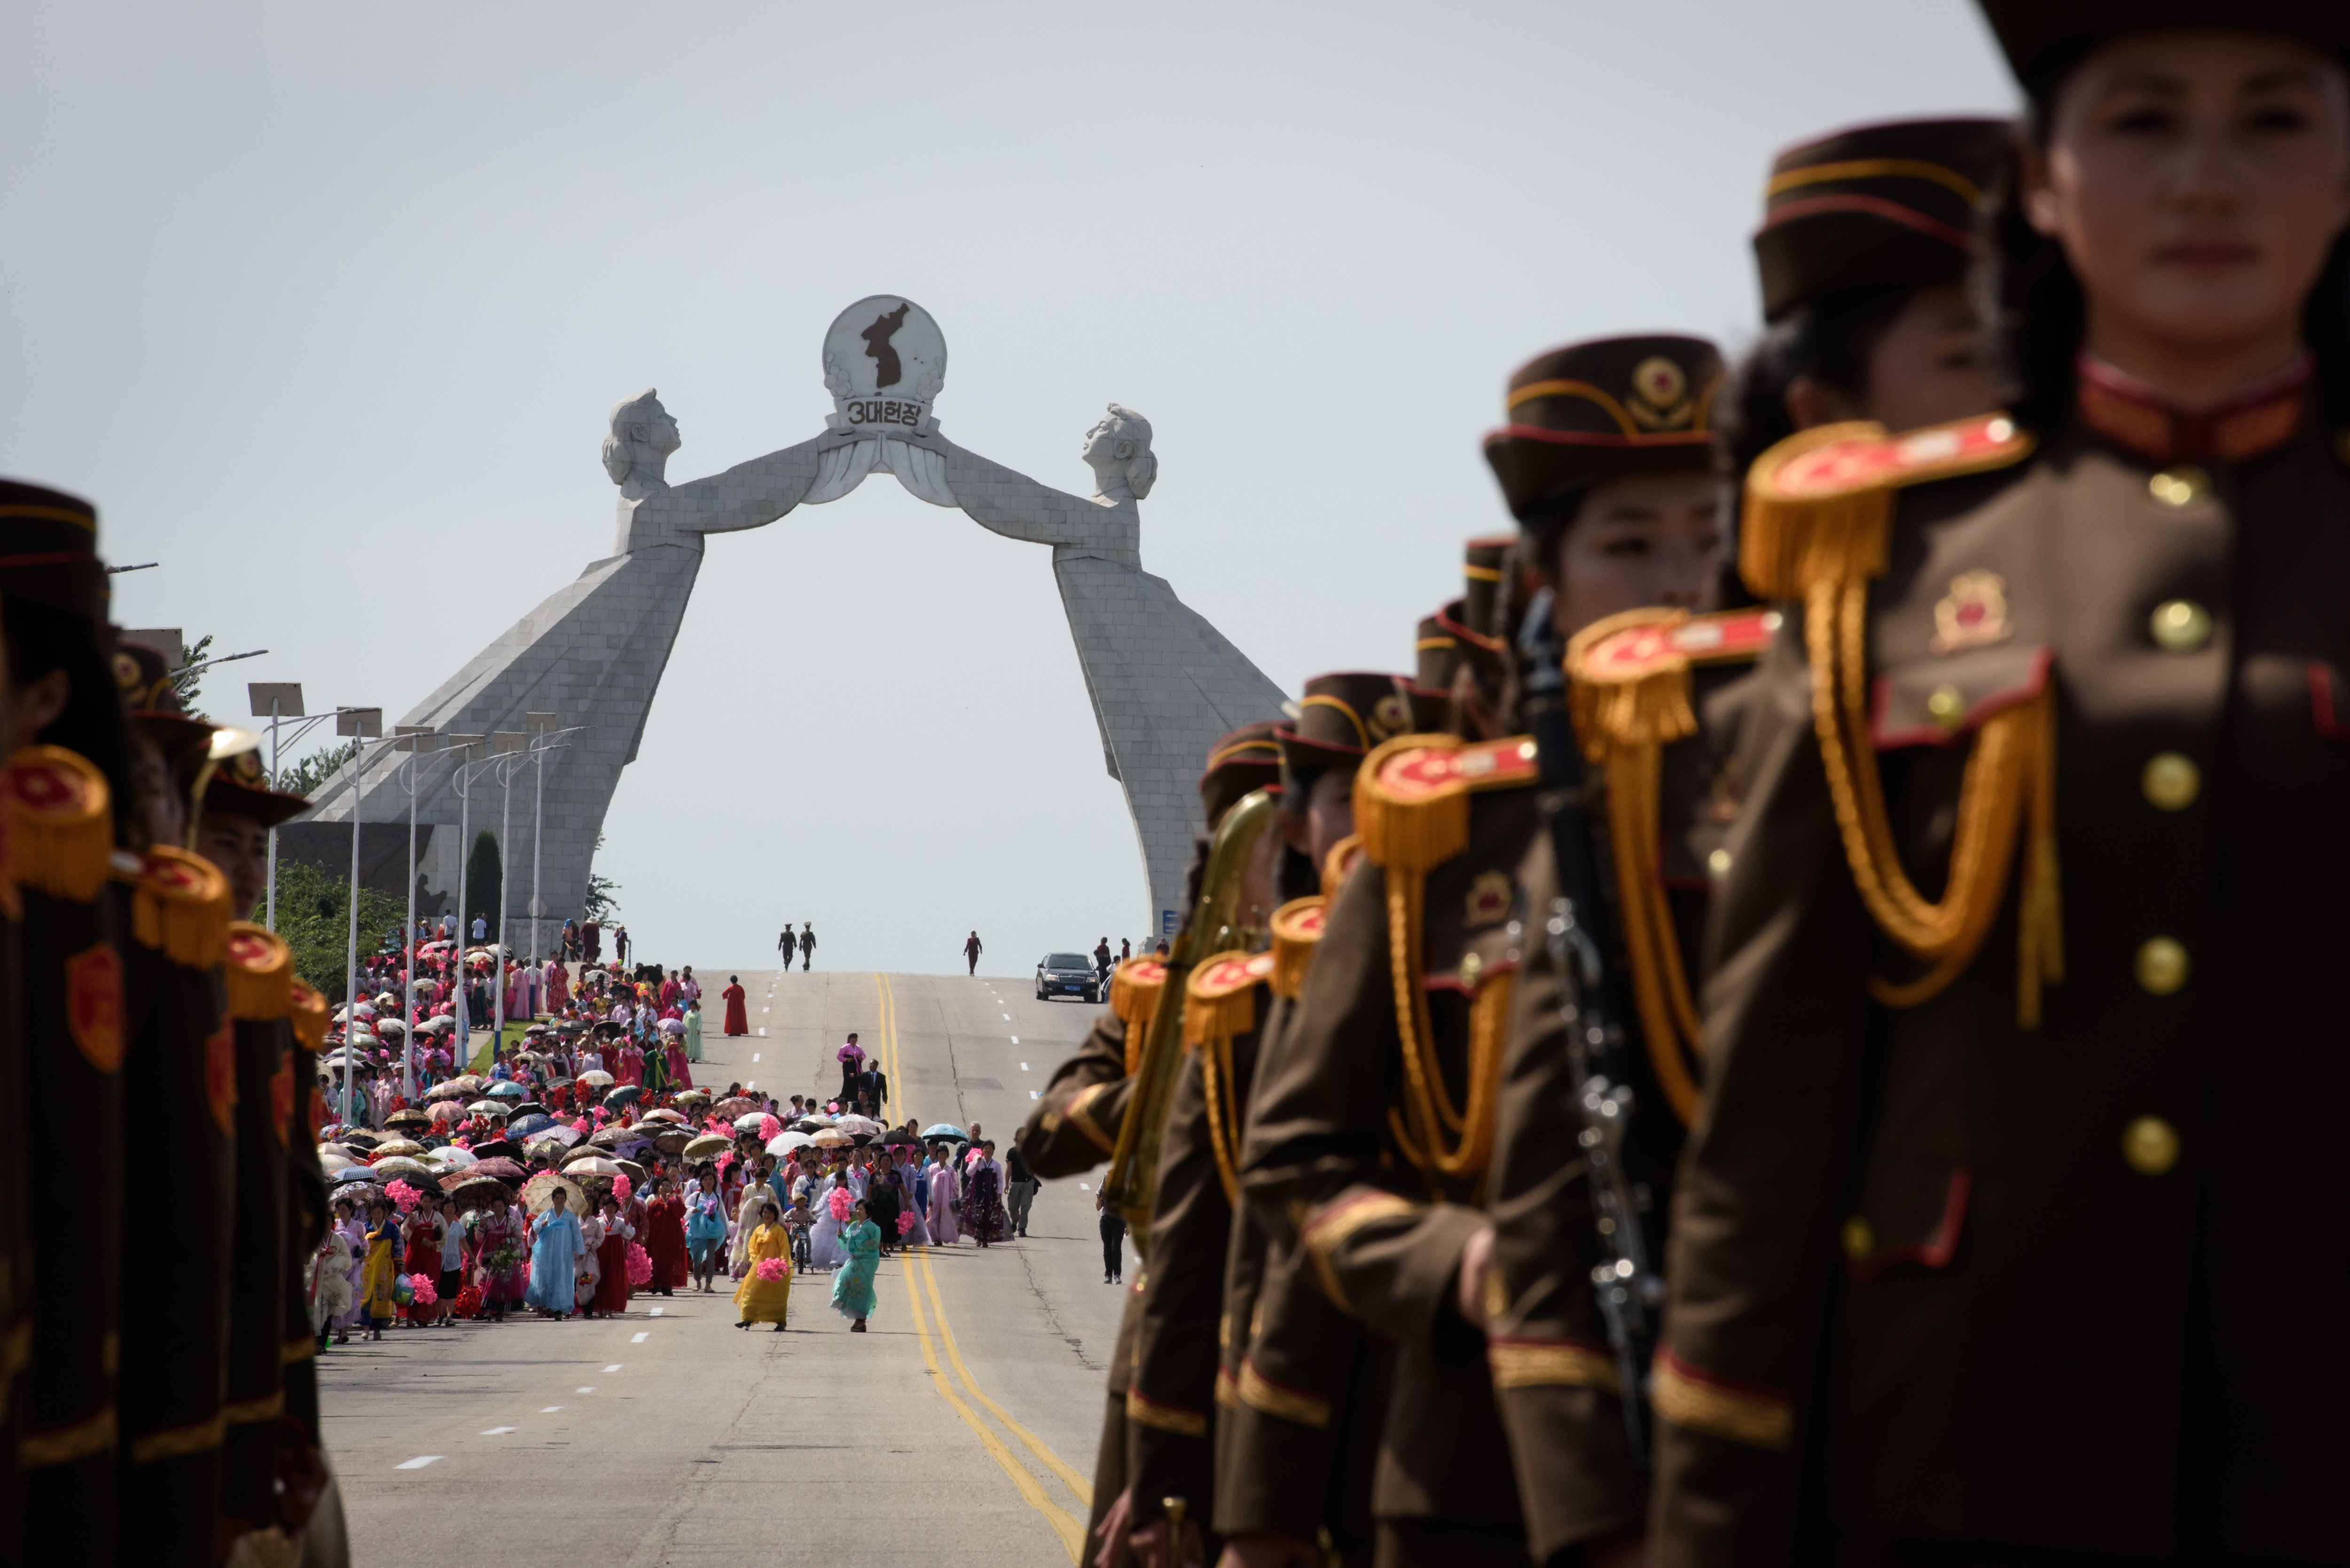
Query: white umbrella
x=596 y=1076
x=454 y=1158
x=853 y=1126
x=784 y=1143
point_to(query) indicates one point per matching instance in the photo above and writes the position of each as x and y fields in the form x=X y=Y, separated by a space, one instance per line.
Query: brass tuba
x=1216 y=925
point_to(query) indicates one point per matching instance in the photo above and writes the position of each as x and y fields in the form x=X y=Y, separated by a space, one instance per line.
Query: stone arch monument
x=1163 y=682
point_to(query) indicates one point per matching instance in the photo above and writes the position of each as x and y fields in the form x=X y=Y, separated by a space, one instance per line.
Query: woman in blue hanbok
x=557 y=1246
x=860 y=1255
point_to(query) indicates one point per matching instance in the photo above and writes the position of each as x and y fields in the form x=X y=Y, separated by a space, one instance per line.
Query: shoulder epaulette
x=1818 y=527
x=1819 y=504
x=1134 y=989
x=1411 y=794
x=307 y=1010
x=62 y=823
x=1296 y=933
x=181 y=906
x=1340 y=864
x=260 y=975
x=1220 y=999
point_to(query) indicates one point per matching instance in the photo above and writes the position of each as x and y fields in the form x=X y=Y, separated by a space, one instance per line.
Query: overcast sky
x=325 y=304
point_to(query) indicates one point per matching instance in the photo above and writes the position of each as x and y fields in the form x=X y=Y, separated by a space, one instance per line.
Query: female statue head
x=642 y=436
x=1119 y=452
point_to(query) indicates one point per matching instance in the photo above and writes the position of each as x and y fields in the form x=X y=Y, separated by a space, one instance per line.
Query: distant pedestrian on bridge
x=738 y=1017
x=971 y=950
x=807 y=946
x=1101 y=958
x=785 y=944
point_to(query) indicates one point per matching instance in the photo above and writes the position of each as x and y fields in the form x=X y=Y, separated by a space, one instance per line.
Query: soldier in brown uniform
x=1376 y=1111
x=173 y=906
x=1077 y=1125
x=69 y=771
x=276 y=1147
x=2009 y=1232
x=1300 y=1389
x=1233 y=1000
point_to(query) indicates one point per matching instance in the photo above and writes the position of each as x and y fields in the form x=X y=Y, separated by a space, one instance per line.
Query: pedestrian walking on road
x=851 y=1058
x=860 y=1256
x=807 y=946
x=971 y=950
x=1113 y=1235
x=1019 y=1189
x=786 y=945
x=738 y=1016
x=766 y=1293
x=620 y=944
x=1101 y=959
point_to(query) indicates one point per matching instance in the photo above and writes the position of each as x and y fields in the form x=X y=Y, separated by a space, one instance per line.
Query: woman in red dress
x=738 y=1017
x=612 y=1260
x=665 y=1237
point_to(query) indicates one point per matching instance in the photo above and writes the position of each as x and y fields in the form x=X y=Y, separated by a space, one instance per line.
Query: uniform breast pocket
x=1944 y=700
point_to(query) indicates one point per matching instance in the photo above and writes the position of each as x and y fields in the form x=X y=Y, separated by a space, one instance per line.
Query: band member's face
x=239 y=846
x=2196 y=180
x=1644 y=539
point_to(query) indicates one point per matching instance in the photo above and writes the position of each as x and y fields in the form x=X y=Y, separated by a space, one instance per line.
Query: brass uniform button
x=2171 y=781
x=1859 y=1238
x=1718 y=862
x=1471 y=967
x=2150 y=1145
x=1948 y=705
x=2181 y=626
x=2181 y=486
x=2161 y=965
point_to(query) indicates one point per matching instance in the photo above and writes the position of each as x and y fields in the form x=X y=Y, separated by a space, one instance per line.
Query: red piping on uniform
x=1935 y=735
x=1936 y=1251
x=1664 y=1358
x=1453 y=981
x=1597 y=438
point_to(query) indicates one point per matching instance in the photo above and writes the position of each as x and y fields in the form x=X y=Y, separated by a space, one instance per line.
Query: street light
x=365 y=724
x=276 y=700
x=467 y=752
x=507 y=748
x=412 y=739
x=544 y=738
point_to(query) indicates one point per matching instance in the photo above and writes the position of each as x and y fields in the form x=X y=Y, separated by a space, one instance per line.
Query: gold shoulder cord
x=61 y=830
x=1624 y=726
x=1406 y=836
x=1133 y=988
x=1822 y=548
x=1215 y=1011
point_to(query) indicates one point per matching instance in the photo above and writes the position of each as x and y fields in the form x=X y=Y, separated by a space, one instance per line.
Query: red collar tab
x=2136 y=418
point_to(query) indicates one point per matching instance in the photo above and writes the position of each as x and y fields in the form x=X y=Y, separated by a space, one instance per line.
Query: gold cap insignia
x=1489 y=900
x=1660 y=399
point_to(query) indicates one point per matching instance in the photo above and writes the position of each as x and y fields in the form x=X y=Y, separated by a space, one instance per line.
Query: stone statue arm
x=748 y=495
x=1017 y=507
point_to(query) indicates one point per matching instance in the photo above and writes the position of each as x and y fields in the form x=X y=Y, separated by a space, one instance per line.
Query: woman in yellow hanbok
x=382 y=1267
x=766 y=1287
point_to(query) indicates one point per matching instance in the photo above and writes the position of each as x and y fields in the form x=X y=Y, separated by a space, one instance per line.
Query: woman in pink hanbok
x=941 y=1203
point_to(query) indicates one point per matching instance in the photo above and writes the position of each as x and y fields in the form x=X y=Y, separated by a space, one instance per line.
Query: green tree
x=314 y=917
x=307 y=775
x=603 y=901
x=189 y=685
x=483 y=884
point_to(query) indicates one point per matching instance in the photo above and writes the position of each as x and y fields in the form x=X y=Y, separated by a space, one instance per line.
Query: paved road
x=965 y=1420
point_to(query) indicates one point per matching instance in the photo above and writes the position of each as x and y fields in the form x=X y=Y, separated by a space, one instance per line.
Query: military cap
x=239 y=787
x=1431 y=706
x=151 y=701
x=1487 y=560
x=2045 y=39
x=1595 y=411
x=48 y=551
x=1247 y=759
x=1436 y=653
x=1891 y=205
x=1340 y=718
x=1486 y=656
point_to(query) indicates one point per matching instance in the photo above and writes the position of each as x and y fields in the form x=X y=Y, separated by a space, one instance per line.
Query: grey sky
x=325 y=303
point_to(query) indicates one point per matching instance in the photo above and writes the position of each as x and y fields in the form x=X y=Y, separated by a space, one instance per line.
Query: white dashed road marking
x=591 y=1389
x=641 y=1338
x=497 y=1431
x=549 y=1410
x=418 y=1463
x=614 y=1368
x=656 y=1311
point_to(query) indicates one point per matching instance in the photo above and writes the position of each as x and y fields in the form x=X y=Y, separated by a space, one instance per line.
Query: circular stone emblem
x=884 y=360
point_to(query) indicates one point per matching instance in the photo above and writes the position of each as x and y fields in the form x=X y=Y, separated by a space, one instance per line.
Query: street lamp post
x=466 y=750
x=544 y=738
x=412 y=739
x=276 y=701
x=365 y=723
x=507 y=747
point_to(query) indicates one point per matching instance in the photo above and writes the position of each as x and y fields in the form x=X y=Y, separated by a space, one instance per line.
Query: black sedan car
x=1067 y=974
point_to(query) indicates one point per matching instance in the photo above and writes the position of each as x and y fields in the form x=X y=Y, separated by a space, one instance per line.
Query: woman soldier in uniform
x=1992 y=1134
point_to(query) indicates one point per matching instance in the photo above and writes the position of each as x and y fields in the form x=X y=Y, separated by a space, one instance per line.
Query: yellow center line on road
x=1071 y=1530
x=1076 y=1483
